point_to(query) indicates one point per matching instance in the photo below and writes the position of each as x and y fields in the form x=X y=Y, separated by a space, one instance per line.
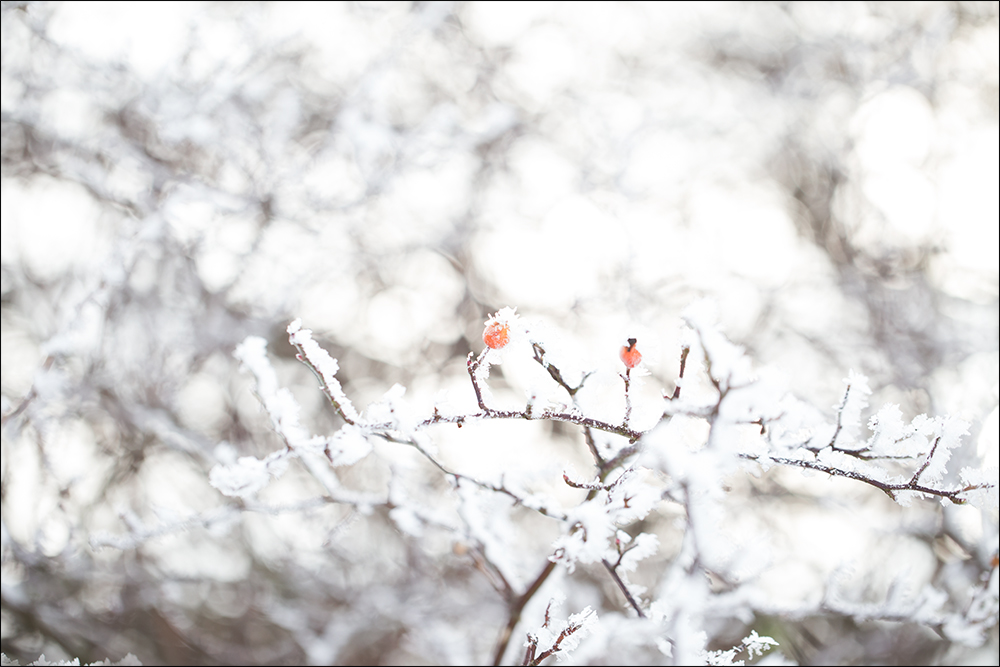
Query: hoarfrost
x=348 y=445
x=855 y=401
x=325 y=367
x=248 y=475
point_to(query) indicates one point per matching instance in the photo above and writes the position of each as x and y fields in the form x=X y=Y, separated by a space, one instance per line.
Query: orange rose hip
x=630 y=354
x=496 y=334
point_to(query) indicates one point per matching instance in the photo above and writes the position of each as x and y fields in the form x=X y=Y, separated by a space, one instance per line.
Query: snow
x=645 y=545
x=393 y=413
x=984 y=498
x=248 y=475
x=348 y=445
x=325 y=366
x=585 y=621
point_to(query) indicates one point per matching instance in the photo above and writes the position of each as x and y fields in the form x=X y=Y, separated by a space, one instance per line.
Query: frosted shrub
x=673 y=495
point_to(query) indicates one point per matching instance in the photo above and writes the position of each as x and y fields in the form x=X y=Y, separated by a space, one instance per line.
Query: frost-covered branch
x=324 y=367
x=574 y=630
x=516 y=607
x=519 y=499
x=959 y=495
x=553 y=370
x=473 y=365
x=930 y=440
x=753 y=644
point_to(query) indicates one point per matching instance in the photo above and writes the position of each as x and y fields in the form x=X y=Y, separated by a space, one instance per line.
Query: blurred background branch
x=178 y=177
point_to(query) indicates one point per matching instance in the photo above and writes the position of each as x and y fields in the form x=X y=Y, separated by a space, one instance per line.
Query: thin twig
x=628 y=399
x=612 y=570
x=680 y=376
x=516 y=608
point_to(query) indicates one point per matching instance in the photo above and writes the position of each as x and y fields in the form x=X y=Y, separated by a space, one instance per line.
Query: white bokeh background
x=178 y=176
